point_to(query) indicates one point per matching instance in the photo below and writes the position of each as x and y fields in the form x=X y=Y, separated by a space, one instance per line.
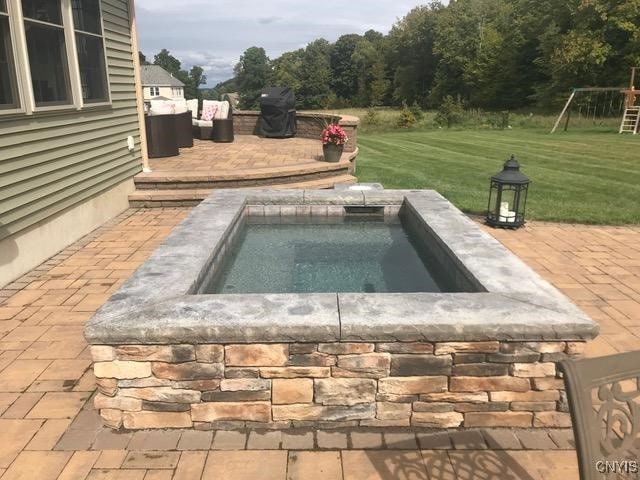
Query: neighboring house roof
x=156 y=76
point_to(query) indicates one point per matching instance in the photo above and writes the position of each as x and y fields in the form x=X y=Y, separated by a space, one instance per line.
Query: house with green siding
x=70 y=140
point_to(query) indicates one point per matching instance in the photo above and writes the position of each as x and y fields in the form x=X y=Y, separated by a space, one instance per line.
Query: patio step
x=182 y=197
x=255 y=177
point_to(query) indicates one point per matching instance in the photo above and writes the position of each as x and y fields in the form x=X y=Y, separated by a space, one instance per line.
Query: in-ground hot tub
x=435 y=324
x=358 y=251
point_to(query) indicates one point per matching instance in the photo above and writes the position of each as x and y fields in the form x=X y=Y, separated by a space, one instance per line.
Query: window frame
x=71 y=103
x=26 y=98
x=104 y=56
x=13 y=37
x=152 y=89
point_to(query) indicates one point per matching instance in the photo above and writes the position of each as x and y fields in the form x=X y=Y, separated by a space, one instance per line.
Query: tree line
x=491 y=54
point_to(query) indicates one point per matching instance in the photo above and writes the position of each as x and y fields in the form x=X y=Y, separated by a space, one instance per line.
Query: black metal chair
x=604 y=400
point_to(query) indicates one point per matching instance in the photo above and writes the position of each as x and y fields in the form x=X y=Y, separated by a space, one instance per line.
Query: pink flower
x=335 y=134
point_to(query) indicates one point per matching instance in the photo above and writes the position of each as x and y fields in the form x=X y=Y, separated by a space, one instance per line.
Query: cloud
x=215 y=68
x=214 y=34
x=268 y=20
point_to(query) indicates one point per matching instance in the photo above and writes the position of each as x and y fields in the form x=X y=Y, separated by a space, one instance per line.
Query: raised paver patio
x=250 y=161
x=247 y=152
x=48 y=428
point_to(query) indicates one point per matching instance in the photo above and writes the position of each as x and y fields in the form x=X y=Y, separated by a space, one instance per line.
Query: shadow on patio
x=460 y=464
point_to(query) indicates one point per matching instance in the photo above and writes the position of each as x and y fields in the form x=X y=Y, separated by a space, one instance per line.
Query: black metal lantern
x=508 y=196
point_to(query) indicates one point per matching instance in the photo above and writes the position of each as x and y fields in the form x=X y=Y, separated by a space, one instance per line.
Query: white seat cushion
x=162 y=107
x=193 y=106
x=204 y=123
x=223 y=111
x=180 y=106
x=162 y=111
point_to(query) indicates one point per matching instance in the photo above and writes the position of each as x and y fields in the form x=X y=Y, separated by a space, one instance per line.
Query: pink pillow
x=209 y=112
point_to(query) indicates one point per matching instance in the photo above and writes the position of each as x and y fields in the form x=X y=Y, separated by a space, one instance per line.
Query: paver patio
x=247 y=152
x=48 y=428
x=250 y=161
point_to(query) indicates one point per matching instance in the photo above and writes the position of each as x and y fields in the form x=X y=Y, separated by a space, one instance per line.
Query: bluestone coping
x=157 y=305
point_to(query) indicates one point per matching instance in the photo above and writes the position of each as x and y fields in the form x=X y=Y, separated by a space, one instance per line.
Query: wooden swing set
x=616 y=99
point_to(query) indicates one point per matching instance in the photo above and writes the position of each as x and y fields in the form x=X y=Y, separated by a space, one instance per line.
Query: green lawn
x=582 y=176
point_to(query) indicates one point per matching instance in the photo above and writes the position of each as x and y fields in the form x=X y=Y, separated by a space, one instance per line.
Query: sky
x=213 y=34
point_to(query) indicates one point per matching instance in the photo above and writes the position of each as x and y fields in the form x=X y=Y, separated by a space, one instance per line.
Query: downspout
x=138 y=86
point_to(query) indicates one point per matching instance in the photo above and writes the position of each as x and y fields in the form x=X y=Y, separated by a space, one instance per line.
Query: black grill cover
x=278 y=112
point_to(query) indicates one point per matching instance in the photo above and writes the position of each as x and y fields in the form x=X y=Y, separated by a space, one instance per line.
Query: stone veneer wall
x=232 y=386
x=309 y=125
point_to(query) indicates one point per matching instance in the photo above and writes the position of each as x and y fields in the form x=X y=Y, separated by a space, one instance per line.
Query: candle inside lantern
x=506 y=215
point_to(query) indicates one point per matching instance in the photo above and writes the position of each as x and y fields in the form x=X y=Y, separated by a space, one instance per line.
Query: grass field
x=386 y=118
x=582 y=176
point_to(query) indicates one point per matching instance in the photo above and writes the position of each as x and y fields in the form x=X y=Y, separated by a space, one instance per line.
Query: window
x=52 y=55
x=46 y=47
x=42 y=10
x=90 y=50
x=8 y=83
x=154 y=91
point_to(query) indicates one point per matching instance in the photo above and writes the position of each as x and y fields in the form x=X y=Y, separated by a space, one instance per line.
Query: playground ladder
x=630 y=120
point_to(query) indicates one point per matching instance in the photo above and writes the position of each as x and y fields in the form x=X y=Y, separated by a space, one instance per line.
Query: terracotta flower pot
x=332 y=152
